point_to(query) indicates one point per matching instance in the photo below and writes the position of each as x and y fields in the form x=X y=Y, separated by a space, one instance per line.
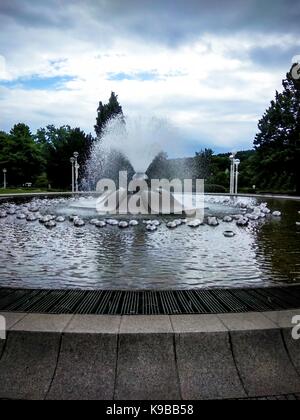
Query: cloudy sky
x=209 y=66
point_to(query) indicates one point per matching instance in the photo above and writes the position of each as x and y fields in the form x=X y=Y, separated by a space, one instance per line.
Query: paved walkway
x=198 y=357
x=291 y=397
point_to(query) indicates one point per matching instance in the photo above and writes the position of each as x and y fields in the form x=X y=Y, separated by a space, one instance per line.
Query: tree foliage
x=20 y=155
x=203 y=164
x=58 y=146
x=278 y=140
x=115 y=163
x=159 y=167
x=106 y=112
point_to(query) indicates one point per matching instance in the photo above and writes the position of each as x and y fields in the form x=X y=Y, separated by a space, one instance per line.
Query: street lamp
x=232 y=167
x=236 y=166
x=72 y=160
x=76 y=155
x=4 y=178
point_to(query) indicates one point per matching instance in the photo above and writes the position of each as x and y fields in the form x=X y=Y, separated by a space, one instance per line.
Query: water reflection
x=263 y=254
x=278 y=244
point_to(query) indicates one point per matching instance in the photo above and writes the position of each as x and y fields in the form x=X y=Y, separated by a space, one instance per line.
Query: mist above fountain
x=132 y=144
x=129 y=141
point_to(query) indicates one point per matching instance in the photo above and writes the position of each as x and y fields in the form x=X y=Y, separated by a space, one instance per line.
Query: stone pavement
x=198 y=357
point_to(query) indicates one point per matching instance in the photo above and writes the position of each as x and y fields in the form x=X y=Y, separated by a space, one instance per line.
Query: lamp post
x=232 y=167
x=76 y=155
x=72 y=160
x=236 y=167
x=4 y=178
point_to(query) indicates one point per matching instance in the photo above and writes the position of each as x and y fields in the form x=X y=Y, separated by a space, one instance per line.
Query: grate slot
x=103 y=303
x=45 y=305
x=268 y=299
x=210 y=302
x=252 y=301
x=130 y=305
x=5 y=292
x=12 y=298
x=197 y=302
x=69 y=302
x=285 y=300
x=149 y=302
x=28 y=301
x=169 y=303
x=150 y=305
x=186 y=303
x=114 y=304
x=91 y=301
x=231 y=302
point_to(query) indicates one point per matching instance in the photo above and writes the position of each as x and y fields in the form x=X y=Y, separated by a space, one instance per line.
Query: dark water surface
x=266 y=253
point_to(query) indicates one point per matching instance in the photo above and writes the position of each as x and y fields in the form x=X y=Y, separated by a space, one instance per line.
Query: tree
x=116 y=161
x=202 y=164
x=106 y=112
x=278 y=141
x=246 y=169
x=20 y=155
x=159 y=167
x=59 y=145
x=4 y=138
x=105 y=162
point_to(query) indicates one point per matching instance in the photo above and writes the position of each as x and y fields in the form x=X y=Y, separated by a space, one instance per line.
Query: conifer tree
x=278 y=141
x=106 y=112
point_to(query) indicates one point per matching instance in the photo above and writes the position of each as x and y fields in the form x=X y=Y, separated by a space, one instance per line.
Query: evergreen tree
x=278 y=141
x=106 y=112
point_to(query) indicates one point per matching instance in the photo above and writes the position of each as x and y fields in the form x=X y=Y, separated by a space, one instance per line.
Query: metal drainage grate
x=114 y=302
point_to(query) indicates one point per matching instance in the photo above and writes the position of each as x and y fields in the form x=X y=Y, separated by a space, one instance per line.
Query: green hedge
x=214 y=188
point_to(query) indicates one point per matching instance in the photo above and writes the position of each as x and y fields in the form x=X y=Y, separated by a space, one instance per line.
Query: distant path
x=269 y=196
x=53 y=194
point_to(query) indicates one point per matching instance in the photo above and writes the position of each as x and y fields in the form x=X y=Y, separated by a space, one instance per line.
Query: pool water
x=265 y=253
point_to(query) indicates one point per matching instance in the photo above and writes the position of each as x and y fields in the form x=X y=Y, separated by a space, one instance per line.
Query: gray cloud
x=274 y=57
x=35 y=13
x=37 y=35
x=170 y=21
x=176 y=21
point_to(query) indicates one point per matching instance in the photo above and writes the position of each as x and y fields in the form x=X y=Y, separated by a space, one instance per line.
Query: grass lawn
x=25 y=190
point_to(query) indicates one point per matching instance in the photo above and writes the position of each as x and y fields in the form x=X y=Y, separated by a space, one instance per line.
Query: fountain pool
x=264 y=252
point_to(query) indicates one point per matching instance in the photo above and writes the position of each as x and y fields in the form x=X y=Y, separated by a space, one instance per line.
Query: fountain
x=139 y=140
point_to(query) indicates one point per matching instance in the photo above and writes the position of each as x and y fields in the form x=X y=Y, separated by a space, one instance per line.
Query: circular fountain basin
x=265 y=252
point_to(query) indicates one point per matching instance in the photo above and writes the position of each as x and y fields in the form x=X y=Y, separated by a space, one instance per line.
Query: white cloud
x=3 y=72
x=208 y=86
